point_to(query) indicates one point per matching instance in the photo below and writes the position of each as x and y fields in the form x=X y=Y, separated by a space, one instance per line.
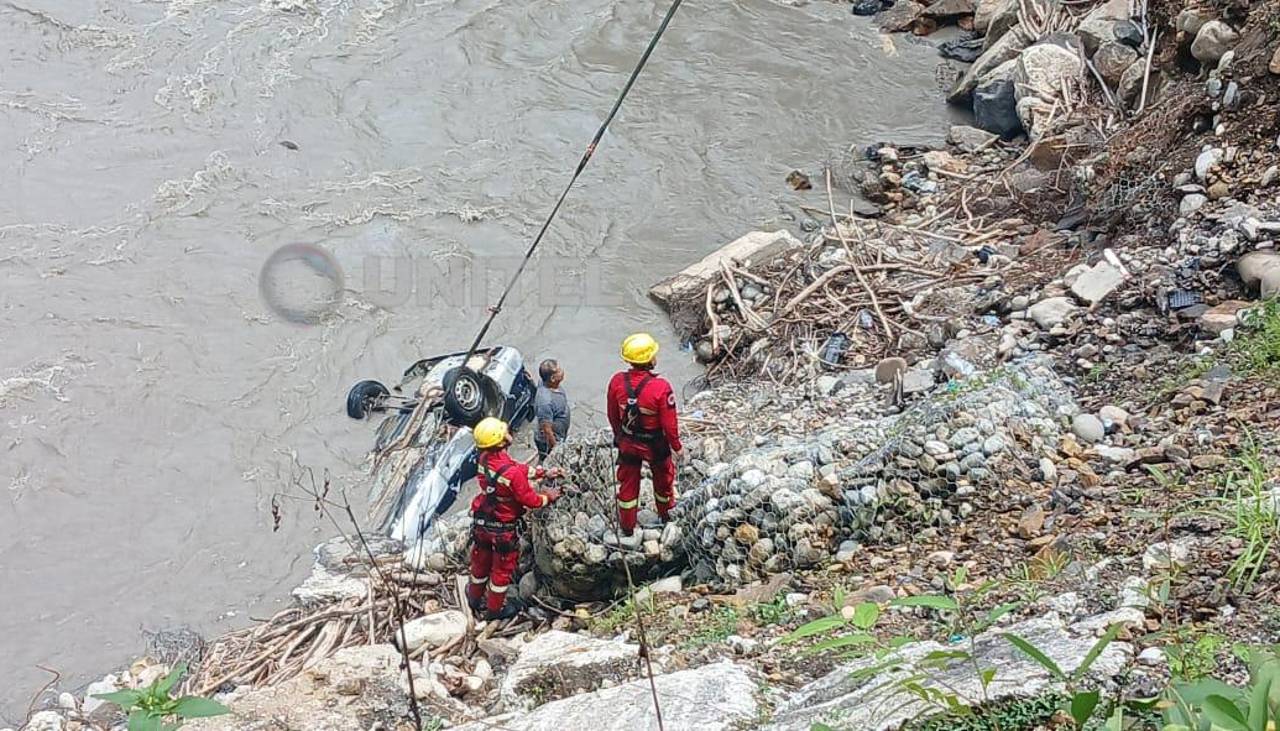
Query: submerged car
x=425 y=451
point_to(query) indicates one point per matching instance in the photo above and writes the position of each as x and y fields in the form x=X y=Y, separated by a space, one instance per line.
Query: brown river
x=154 y=153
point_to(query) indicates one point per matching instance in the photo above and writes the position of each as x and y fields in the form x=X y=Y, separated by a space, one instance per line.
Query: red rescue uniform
x=642 y=413
x=505 y=495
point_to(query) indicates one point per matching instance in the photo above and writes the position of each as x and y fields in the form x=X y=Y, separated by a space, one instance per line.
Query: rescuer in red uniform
x=642 y=412
x=505 y=495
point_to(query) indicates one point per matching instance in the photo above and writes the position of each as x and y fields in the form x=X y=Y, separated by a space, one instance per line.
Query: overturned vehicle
x=424 y=452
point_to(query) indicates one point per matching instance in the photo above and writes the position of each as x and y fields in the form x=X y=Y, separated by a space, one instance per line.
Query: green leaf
x=865 y=615
x=816 y=627
x=1083 y=705
x=1258 y=710
x=836 y=643
x=126 y=699
x=820 y=727
x=931 y=601
x=196 y=707
x=1224 y=713
x=1034 y=653
x=987 y=676
x=1094 y=652
x=170 y=680
x=998 y=613
x=142 y=721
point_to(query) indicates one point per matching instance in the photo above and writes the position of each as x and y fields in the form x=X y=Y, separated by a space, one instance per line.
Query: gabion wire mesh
x=759 y=499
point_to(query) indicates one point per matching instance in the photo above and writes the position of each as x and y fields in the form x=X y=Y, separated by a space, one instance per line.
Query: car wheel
x=364 y=397
x=470 y=396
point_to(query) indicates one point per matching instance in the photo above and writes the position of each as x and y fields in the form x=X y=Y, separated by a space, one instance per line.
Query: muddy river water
x=153 y=154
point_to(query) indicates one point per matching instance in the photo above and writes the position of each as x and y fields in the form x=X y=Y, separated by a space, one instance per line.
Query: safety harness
x=631 y=414
x=485 y=517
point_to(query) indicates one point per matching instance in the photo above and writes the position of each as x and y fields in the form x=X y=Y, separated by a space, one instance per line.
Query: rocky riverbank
x=1030 y=377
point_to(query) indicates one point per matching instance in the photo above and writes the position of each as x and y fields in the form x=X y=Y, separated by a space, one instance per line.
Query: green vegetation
x=719 y=624
x=770 y=613
x=1193 y=701
x=153 y=709
x=1247 y=507
x=1256 y=350
x=613 y=621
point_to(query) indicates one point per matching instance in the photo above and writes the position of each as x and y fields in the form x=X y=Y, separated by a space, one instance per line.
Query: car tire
x=470 y=396
x=364 y=397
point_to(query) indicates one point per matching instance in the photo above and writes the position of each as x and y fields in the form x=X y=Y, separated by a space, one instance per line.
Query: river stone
x=1191 y=203
x=1212 y=41
x=969 y=138
x=849 y=698
x=434 y=630
x=1051 y=312
x=716 y=697
x=1008 y=16
x=995 y=103
x=1112 y=59
x=1088 y=427
x=1097 y=28
x=574 y=663
x=1260 y=270
x=1039 y=76
x=981 y=72
x=1095 y=283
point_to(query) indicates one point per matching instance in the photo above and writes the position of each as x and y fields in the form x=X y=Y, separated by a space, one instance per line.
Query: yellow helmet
x=639 y=349
x=490 y=433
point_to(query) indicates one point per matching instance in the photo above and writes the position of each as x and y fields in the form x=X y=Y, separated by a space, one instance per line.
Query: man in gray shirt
x=550 y=409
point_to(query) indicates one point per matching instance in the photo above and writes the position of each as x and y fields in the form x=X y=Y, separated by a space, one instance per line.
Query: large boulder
x=1038 y=80
x=1260 y=270
x=877 y=702
x=1008 y=14
x=716 y=697
x=557 y=665
x=1212 y=42
x=995 y=106
x=1005 y=50
x=985 y=10
x=1099 y=26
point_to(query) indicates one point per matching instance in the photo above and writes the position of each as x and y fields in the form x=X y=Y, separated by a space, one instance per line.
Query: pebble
x=1088 y=428
x=1206 y=161
x=1151 y=657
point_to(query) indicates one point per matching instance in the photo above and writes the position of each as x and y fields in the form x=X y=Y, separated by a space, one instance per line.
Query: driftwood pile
x=860 y=290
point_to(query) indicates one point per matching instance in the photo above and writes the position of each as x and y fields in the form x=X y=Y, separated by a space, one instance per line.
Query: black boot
x=510 y=608
x=476 y=604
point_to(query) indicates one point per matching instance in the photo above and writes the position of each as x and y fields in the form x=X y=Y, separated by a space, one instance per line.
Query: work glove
x=553 y=494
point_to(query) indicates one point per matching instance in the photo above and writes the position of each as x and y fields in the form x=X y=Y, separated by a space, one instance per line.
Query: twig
x=1146 y=74
x=888 y=330
x=57 y=676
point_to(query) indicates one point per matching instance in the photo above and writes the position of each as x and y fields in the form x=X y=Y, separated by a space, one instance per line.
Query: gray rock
x=1168 y=555
x=995 y=105
x=1261 y=270
x=1213 y=40
x=1097 y=28
x=828 y=385
x=434 y=630
x=1113 y=417
x=1206 y=161
x=847 y=698
x=1042 y=70
x=918 y=380
x=1005 y=50
x=1129 y=89
x=45 y=721
x=716 y=697
x=1115 y=455
x=1112 y=59
x=1191 y=203
x=1190 y=21
x=1051 y=312
x=1095 y=283
x=968 y=138
x=1008 y=16
x=1151 y=657
x=1088 y=428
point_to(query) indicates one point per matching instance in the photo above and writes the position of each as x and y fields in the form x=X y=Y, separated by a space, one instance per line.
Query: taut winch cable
x=582 y=164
